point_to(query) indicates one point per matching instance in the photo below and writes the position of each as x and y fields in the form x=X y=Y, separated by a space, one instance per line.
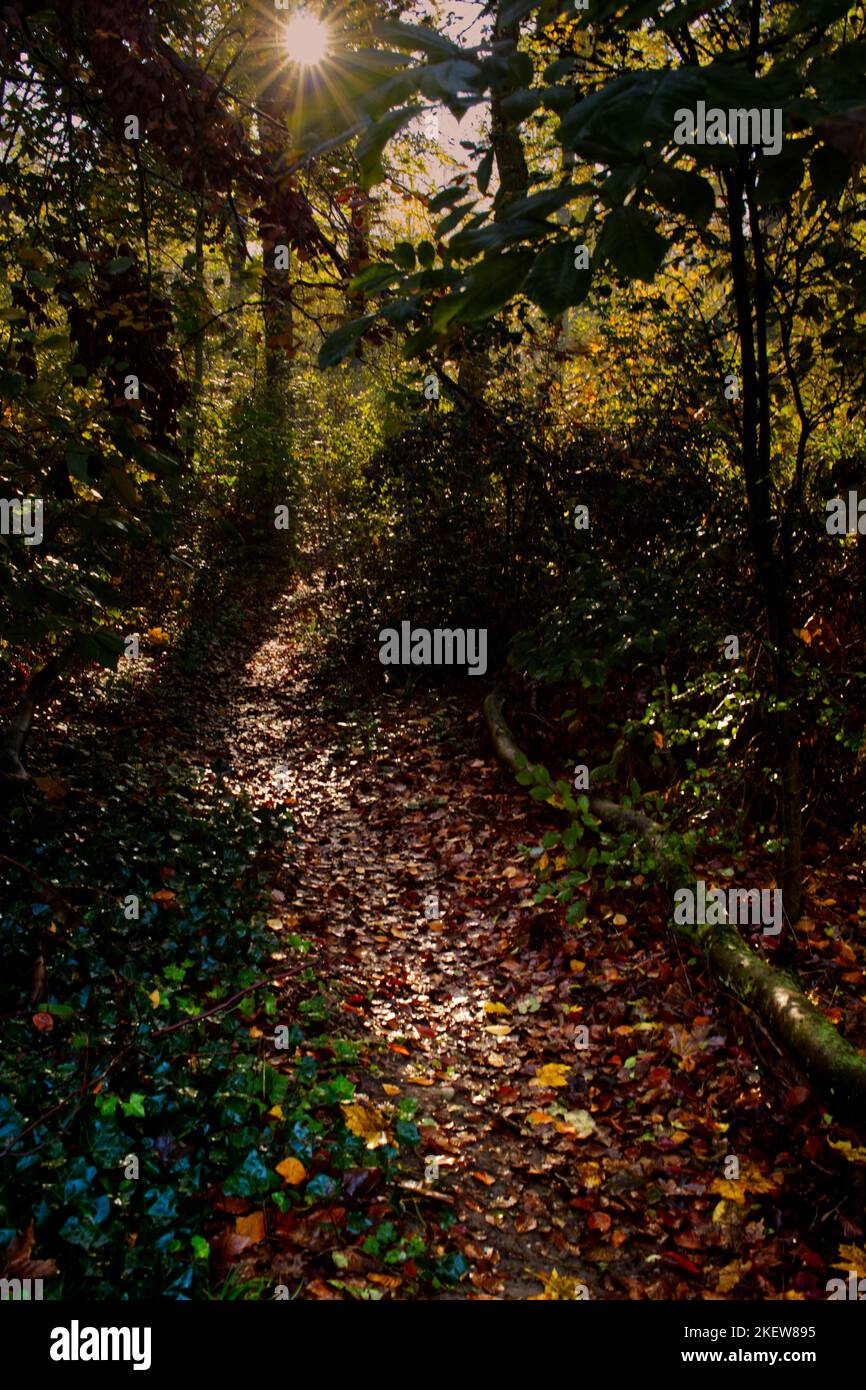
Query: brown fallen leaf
x=52 y=788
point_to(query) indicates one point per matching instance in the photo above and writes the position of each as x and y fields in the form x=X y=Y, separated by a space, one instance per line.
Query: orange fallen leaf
x=539 y=1117
x=251 y=1226
x=486 y=1178
x=163 y=896
x=44 y=1022
x=292 y=1170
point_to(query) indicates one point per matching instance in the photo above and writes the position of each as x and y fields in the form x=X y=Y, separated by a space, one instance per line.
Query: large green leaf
x=681 y=191
x=339 y=344
x=629 y=240
x=553 y=283
x=493 y=284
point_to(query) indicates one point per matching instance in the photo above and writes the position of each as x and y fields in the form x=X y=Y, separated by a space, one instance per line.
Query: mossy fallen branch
x=835 y=1068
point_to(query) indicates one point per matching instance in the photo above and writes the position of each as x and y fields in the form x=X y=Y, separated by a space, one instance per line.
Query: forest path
x=413 y=887
x=605 y=1163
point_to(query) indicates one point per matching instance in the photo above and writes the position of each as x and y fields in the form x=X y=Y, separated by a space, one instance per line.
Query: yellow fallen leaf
x=154 y=998
x=390 y=1090
x=620 y=921
x=158 y=636
x=367 y=1122
x=852 y=1257
x=539 y=1117
x=751 y=1179
x=853 y=1155
x=498 y=1030
x=731 y=1275
x=256 y=1032
x=292 y=1170
x=277 y=1112
x=490 y=1008
x=577 y=966
x=554 y=1074
x=558 y=1287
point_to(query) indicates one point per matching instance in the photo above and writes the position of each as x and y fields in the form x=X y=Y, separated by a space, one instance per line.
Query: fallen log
x=830 y=1063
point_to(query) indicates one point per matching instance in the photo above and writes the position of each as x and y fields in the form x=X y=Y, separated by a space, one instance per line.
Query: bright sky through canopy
x=306 y=39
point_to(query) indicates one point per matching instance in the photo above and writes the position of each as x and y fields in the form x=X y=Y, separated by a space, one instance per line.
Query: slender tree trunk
x=756 y=462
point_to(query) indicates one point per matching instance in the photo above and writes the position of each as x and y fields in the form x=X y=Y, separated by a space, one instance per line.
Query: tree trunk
x=757 y=462
x=12 y=770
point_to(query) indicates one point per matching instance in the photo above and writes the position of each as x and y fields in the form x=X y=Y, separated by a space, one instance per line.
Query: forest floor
x=595 y=1119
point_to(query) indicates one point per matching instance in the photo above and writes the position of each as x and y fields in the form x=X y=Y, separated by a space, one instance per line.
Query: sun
x=306 y=39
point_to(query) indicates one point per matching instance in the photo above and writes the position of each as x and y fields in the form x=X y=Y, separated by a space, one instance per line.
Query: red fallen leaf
x=44 y=1022
x=796 y=1095
x=235 y=1206
x=811 y=1259
x=410 y=1269
x=813 y=1146
x=356 y=998
x=599 y=1221
x=673 y=1258
x=506 y=1093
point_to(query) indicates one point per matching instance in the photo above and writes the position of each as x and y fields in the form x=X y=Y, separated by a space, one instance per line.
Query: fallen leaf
x=554 y=1074
x=53 y=788
x=368 y=1123
x=252 y=1226
x=292 y=1170
x=853 y=1155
